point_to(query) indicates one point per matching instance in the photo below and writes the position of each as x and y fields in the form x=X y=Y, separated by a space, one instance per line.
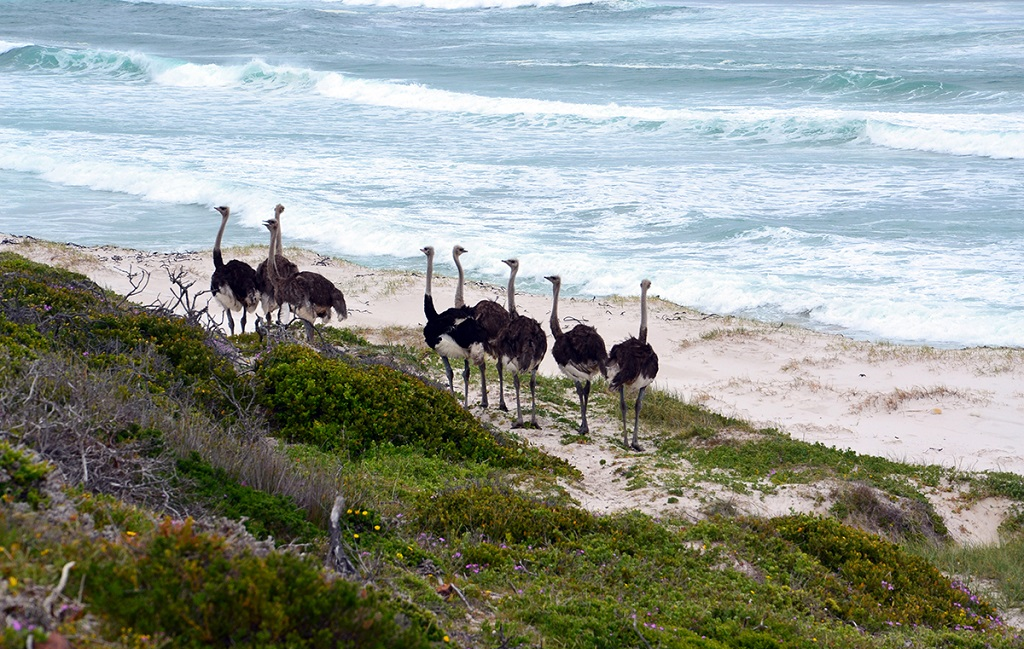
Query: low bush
x=500 y=513
x=879 y=584
x=22 y=475
x=350 y=408
x=196 y=589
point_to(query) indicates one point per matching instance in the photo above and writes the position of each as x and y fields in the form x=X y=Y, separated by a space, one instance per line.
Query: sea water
x=855 y=167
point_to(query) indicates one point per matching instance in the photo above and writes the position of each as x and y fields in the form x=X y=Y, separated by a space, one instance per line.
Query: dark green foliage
x=46 y=309
x=265 y=514
x=337 y=406
x=880 y=584
x=195 y=589
x=500 y=513
x=21 y=475
x=1001 y=483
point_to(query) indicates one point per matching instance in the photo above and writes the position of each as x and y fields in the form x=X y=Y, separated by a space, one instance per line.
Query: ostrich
x=580 y=353
x=233 y=283
x=285 y=268
x=453 y=333
x=633 y=364
x=492 y=317
x=522 y=345
x=308 y=295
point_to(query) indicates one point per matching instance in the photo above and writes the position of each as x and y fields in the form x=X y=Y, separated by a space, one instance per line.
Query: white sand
x=956 y=408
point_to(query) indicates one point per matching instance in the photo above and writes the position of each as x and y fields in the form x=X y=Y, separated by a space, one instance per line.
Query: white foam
x=7 y=46
x=983 y=135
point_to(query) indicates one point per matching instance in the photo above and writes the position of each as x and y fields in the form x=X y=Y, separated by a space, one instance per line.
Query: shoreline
x=956 y=407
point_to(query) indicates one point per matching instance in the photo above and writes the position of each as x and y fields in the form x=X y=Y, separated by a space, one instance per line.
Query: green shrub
x=879 y=584
x=341 y=407
x=501 y=514
x=22 y=475
x=193 y=588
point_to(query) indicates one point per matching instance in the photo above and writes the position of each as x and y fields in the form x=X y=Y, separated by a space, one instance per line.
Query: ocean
x=850 y=167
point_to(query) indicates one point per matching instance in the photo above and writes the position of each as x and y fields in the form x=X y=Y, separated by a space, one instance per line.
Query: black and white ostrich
x=308 y=295
x=453 y=333
x=633 y=364
x=580 y=353
x=522 y=345
x=233 y=284
x=492 y=317
x=285 y=268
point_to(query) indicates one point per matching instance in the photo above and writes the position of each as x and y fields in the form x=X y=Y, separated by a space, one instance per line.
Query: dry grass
x=899 y=398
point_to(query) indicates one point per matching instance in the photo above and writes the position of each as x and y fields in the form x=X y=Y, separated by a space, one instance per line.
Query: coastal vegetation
x=165 y=486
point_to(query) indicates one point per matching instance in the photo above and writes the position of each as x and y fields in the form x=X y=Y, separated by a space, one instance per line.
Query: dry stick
x=55 y=593
x=640 y=635
x=459 y=593
x=336 y=555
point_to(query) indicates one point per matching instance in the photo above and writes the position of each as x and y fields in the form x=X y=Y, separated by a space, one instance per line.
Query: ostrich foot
x=636 y=447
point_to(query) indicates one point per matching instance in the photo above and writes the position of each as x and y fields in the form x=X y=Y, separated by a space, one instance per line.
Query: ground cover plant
x=164 y=487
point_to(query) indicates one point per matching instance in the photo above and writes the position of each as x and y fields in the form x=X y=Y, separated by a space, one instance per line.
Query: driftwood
x=337 y=557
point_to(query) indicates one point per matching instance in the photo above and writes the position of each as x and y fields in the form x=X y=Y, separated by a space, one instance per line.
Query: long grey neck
x=556 y=328
x=218 y=259
x=512 y=291
x=277 y=236
x=459 y=299
x=643 y=315
x=272 y=257
x=430 y=272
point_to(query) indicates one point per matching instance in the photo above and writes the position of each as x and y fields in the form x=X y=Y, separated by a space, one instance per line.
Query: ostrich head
x=457 y=251
x=224 y=210
x=554 y=279
x=511 y=263
x=645 y=284
x=278 y=210
x=271 y=224
x=427 y=250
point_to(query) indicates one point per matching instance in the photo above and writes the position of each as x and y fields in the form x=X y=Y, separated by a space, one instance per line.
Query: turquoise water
x=850 y=167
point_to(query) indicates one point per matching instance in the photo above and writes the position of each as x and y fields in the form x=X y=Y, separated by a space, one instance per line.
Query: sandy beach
x=961 y=408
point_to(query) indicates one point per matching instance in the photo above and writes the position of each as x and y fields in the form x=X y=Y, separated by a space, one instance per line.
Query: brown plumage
x=580 y=353
x=491 y=318
x=233 y=284
x=522 y=345
x=285 y=268
x=308 y=295
x=633 y=364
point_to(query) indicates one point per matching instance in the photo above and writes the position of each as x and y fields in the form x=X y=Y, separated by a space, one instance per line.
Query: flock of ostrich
x=515 y=341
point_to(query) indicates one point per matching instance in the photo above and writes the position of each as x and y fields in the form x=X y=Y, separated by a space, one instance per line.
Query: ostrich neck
x=430 y=273
x=512 y=291
x=218 y=259
x=643 y=316
x=556 y=329
x=272 y=258
x=459 y=299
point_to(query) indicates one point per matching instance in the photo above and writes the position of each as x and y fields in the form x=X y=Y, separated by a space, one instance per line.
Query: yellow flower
x=447 y=639
x=350 y=511
x=365 y=512
x=399 y=555
x=355 y=536
x=12 y=581
x=129 y=533
x=376 y=527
